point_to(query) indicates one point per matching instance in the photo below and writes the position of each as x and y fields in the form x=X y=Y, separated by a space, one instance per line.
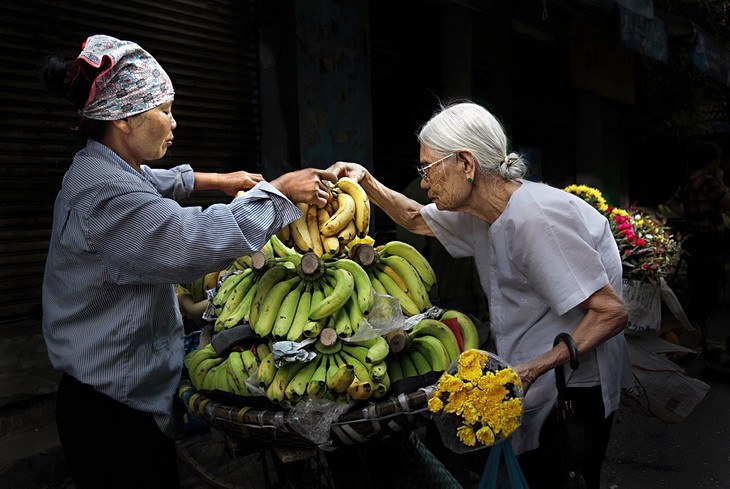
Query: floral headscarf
x=127 y=80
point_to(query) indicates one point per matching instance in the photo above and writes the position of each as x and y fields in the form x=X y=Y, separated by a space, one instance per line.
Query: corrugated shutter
x=210 y=50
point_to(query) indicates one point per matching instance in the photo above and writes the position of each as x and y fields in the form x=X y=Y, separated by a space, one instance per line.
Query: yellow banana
x=347 y=234
x=360 y=390
x=434 y=327
x=416 y=288
x=271 y=304
x=469 y=332
x=362 y=203
x=238 y=372
x=330 y=244
x=406 y=303
x=193 y=358
x=414 y=257
x=344 y=285
x=390 y=272
x=342 y=217
x=300 y=231
x=313 y=230
x=363 y=285
x=284 y=235
x=288 y=308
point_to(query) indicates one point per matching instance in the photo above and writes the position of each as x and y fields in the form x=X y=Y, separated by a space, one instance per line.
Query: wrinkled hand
x=527 y=375
x=232 y=183
x=310 y=185
x=348 y=169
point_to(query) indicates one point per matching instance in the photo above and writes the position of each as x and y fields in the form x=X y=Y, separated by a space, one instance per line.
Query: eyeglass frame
x=422 y=170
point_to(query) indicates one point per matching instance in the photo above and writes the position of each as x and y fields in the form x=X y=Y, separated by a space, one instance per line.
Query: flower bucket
x=644 y=303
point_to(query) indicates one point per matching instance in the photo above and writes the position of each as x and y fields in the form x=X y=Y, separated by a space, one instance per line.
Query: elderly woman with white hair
x=119 y=244
x=547 y=262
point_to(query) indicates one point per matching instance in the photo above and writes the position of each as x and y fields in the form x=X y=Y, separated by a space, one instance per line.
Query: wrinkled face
x=445 y=181
x=151 y=134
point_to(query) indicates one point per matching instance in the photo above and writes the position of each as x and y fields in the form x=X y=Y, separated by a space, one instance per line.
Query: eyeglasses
x=422 y=169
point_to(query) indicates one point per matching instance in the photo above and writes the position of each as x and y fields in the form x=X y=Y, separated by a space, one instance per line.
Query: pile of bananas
x=317 y=279
x=328 y=230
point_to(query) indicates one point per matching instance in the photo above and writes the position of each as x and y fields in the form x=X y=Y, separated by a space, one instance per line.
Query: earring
x=469 y=179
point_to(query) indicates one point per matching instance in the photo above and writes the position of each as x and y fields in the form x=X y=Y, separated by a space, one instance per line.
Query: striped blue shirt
x=120 y=241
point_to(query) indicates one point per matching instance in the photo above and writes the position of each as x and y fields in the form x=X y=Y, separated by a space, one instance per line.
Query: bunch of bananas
x=430 y=346
x=209 y=371
x=327 y=231
x=341 y=371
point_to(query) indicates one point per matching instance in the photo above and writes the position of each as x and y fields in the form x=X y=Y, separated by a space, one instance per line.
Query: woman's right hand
x=310 y=185
x=348 y=169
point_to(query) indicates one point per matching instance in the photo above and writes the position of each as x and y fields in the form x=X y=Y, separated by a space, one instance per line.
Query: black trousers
x=544 y=467
x=110 y=445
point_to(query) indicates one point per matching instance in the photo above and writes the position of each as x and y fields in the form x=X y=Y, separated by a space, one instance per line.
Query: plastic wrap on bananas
x=292 y=351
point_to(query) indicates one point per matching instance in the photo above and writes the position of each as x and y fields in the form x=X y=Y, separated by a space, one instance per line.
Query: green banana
x=357 y=350
x=276 y=390
x=414 y=257
x=271 y=277
x=436 y=328
x=266 y=371
x=469 y=332
x=342 y=323
x=262 y=349
x=226 y=288
x=238 y=372
x=271 y=304
x=317 y=385
x=377 y=284
x=280 y=249
x=339 y=374
x=230 y=313
x=313 y=328
x=434 y=350
x=407 y=366
x=287 y=310
x=378 y=371
x=208 y=381
x=354 y=313
x=296 y=330
x=193 y=358
x=250 y=362
x=416 y=288
x=344 y=285
x=202 y=369
x=395 y=372
x=317 y=295
x=363 y=286
x=297 y=386
x=378 y=350
x=409 y=307
x=422 y=363
x=361 y=371
x=381 y=388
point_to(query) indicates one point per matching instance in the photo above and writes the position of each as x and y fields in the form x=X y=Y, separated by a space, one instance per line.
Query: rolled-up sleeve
x=176 y=183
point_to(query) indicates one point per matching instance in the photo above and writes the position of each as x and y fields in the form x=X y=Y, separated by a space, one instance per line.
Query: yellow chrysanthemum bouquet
x=479 y=400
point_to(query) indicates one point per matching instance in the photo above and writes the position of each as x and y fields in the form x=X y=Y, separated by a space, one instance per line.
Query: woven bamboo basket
x=364 y=422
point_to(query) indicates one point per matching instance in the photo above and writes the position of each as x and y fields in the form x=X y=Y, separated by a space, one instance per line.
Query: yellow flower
x=435 y=404
x=466 y=435
x=485 y=435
